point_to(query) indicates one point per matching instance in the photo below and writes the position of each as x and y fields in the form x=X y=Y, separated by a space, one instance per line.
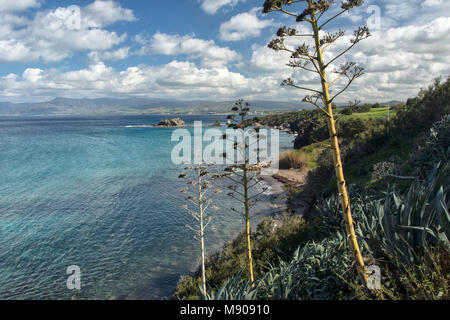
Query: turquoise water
x=96 y=193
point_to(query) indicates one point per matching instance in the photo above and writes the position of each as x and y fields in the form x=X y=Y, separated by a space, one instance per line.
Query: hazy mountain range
x=105 y=106
x=63 y=106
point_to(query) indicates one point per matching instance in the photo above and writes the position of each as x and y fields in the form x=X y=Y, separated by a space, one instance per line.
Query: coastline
x=278 y=184
x=276 y=199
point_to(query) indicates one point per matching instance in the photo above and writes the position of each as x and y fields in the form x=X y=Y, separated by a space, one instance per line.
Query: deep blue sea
x=100 y=193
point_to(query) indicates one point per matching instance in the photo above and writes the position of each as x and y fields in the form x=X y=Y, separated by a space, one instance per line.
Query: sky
x=208 y=50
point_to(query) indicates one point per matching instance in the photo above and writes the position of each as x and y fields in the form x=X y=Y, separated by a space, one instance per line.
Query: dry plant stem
x=343 y=194
x=202 y=229
x=247 y=212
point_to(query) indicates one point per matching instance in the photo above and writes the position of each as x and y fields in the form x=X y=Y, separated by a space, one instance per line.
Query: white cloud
x=400 y=9
x=10 y=20
x=398 y=61
x=12 y=50
x=411 y=48
x=32 y=75
x=119 y=54
x=18 y=5
x=432 y=3
x=173 y=45
x=401 y=12
x=243 y=26
x=103 y=13
x=177 y=79
x=212 y=6
x=265 y=59
x=54 y=35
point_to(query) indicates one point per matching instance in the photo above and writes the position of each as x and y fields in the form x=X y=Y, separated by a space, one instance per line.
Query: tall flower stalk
x=199 y=202
x=247 y=177
x=309 y=57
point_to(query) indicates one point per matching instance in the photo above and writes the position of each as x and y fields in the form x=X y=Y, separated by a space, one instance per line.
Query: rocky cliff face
x=309 y=130
x=303 y=128
x=175 y=122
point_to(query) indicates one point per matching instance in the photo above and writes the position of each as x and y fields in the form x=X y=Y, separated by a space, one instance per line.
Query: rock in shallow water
x=175 y=122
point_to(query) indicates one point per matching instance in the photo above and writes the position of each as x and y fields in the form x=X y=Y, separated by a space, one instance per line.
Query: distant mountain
x=103 y=106
x=64 y=106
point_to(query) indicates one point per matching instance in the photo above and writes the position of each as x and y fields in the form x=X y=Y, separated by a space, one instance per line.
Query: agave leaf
x=442 y=212
x=397 y=200
x=296 y=254
x=431 y=232
x=388 y=224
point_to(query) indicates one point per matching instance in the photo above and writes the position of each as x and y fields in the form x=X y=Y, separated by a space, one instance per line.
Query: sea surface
x=100 y=193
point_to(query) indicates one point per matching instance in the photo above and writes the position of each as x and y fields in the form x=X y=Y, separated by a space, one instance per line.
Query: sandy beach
x=277 y=198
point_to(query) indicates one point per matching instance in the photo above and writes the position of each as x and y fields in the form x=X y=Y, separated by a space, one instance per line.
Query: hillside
x=398 y=174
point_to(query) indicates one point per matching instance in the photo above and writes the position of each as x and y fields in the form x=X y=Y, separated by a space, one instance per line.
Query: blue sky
x=205 y=49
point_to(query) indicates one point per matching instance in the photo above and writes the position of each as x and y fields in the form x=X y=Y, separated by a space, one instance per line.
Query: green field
x=374 y=113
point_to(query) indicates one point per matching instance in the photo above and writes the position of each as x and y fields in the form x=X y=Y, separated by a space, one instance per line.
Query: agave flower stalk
x=310 y=57
x=247 y=179
x=197 y=197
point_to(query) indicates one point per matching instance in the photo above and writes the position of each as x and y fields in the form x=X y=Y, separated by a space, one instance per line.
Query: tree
x=244 y=171
x=310 y=57
x=430 y=106
x=196 y=195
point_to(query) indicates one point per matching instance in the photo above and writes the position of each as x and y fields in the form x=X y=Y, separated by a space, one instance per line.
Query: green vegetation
x=395 y=218
x=400 y=233
x=292 y=159
x=373 y=113
x=278 y=119
x=271 y=240
x=400 y=201
x=304 y=157
x=428 y=107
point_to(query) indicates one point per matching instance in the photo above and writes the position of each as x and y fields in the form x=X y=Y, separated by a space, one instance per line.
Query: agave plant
x=420 y=219
x=388 y=225
x=316 y=271
x=235 y=289
x=399 y=225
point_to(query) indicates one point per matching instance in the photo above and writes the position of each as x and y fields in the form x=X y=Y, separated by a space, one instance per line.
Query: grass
x=360 y=173
x=373 y=114
x=311 y=153
x=304 y=157
x=292 y=160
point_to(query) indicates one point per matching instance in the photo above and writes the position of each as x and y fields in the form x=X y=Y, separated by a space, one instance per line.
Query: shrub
x=320 y=178
x=273 y=239
x=406 y=235
x=292 y=160
x=427 y=280
x=362 y=108
x=310 y=274
x=347 y=111
x=382 y=169
x=430 y=105
x=435 y=147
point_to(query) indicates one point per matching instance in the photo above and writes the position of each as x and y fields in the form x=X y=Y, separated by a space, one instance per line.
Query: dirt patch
x=293 y=177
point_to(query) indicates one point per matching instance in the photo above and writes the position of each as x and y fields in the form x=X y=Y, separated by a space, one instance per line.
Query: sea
x=99 y=193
